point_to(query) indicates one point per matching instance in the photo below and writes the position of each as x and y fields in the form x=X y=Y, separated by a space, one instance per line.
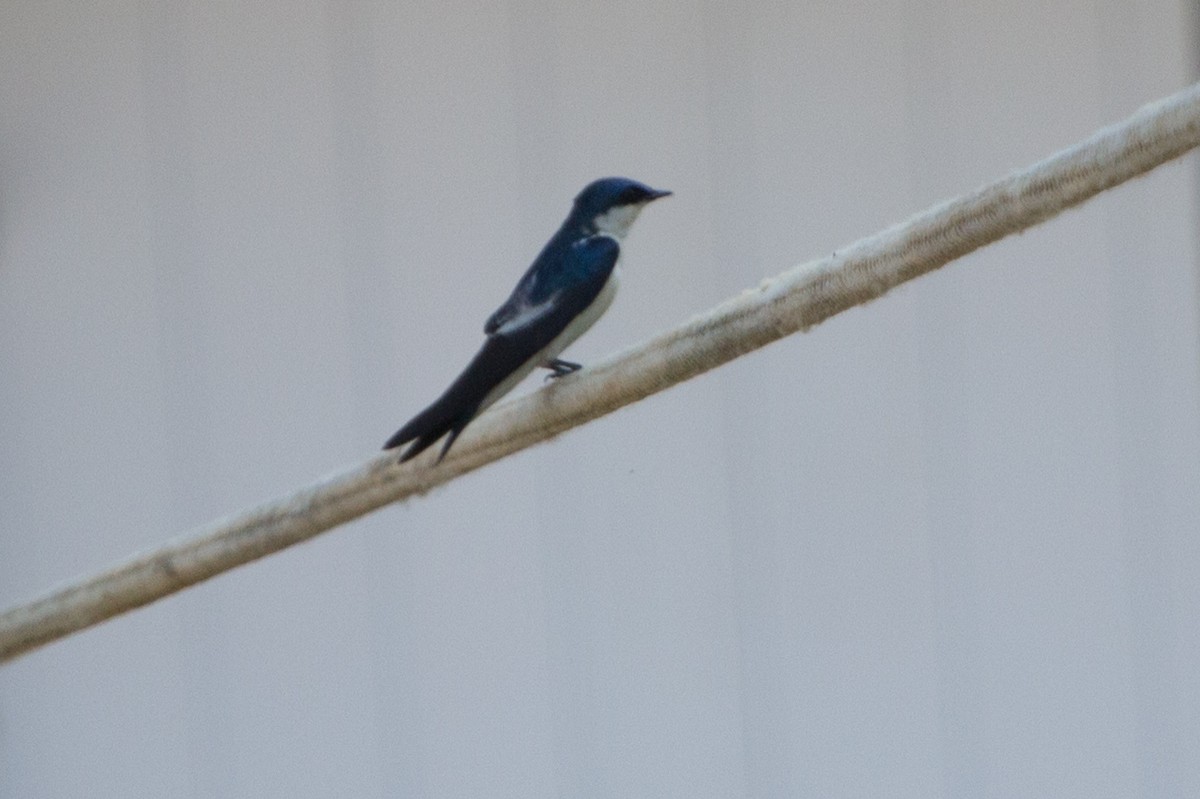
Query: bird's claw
x=559 y=368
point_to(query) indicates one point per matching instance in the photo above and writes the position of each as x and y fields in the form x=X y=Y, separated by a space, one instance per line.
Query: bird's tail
x=497 y=361
x=444 y=416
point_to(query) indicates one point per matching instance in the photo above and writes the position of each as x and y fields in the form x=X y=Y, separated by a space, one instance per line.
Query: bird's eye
x=630 y=195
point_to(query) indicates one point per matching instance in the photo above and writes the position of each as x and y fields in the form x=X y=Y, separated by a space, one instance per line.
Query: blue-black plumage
x=570 y=284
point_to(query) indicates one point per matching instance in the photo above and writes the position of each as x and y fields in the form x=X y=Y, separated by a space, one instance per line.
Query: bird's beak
x=656 y=194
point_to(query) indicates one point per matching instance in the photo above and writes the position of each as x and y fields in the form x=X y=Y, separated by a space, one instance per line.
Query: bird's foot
x=558 y=368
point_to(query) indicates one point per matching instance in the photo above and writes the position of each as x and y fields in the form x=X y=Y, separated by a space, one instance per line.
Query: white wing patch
x=526 y=315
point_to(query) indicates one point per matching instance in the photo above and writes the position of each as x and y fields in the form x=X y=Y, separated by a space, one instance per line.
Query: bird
x=568 y=287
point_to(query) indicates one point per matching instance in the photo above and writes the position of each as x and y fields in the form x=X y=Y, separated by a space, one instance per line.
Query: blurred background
x=945 y=545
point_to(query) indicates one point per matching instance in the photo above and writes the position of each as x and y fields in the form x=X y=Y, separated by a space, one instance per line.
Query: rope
x=793 y=301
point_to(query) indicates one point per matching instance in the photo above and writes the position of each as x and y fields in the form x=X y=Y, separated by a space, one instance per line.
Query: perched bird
x=570 y=284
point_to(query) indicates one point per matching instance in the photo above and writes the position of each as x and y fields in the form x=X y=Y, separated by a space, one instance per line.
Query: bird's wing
x=517 y=313
x=521 y=304
x=511 y=308
x=551 y=302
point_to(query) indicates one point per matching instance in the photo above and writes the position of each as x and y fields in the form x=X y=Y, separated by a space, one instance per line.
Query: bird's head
x=610 y=205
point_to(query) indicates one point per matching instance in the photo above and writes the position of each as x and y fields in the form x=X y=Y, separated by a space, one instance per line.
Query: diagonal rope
x=793 y=301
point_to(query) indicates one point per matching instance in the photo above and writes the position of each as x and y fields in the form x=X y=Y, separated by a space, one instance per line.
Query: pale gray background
x=943 y=546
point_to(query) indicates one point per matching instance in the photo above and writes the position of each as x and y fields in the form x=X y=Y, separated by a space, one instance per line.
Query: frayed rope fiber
x=780 y=306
